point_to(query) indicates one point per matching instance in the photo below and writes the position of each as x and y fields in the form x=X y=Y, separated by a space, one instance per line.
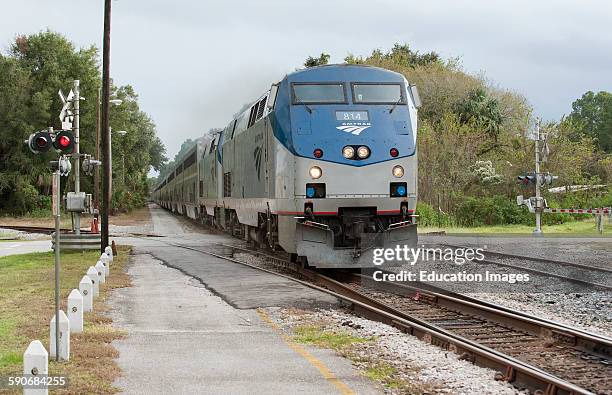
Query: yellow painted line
x=321 y=367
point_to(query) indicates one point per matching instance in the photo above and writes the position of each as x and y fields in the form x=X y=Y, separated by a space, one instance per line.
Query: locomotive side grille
x=227 y=184
x=261 y=108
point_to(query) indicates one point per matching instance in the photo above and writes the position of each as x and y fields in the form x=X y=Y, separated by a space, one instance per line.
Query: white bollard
x=109 y=251
x=105 y=257
x=86 y=289
x=64 y=340
x=106 y=262
x=35 y=363
x=106 y=268
x=92 y=273
x=101 y=272
x=75 y=311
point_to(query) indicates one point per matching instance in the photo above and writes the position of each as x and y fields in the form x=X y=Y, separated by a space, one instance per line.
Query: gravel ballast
x=422 y=367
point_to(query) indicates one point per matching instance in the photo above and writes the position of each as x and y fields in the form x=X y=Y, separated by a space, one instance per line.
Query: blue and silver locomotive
x=323 y=165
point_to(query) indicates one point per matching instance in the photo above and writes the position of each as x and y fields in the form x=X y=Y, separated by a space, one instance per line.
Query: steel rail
x=35 y=229
x=602 y=287
x=538 y=259
x=592 y=343
x=589 y=342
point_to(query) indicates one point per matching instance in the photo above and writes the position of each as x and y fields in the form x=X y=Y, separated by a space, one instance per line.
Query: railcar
x=323 y=165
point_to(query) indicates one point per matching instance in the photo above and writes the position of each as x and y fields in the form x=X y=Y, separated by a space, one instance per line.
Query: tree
x=321 y=60
x=401 y=55
x=31 y=73
x=186 y=146
x=481 y=110
x=135 y=153
x=592 y=115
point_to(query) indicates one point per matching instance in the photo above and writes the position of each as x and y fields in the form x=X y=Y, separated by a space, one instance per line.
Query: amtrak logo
x=257 y=158
x=354 y=127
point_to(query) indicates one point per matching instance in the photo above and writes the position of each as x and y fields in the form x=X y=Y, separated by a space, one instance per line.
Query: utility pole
x=77 y=151
x=56 y=198
x=538 y=209
x=105 y=123
x=97 y=171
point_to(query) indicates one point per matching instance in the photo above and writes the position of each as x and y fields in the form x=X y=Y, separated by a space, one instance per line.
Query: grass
x=586 y=227
x=346 y=344
x=384 y=373
x=315 y=335
x=26 y=307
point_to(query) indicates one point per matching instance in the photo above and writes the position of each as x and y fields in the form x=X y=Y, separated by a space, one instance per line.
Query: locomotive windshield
x=378 y=93
x=318 y=93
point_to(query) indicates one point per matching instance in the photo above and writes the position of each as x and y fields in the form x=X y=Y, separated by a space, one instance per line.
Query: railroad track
x=574 y=273
x=47 y=230
x=574 y=355
x=528 y=352
x=37 y=229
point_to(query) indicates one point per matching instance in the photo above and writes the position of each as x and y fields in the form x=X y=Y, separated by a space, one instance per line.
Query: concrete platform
x=240 y=286
x=197 y=330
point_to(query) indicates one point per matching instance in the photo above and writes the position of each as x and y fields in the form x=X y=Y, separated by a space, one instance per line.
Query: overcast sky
x=194 y=63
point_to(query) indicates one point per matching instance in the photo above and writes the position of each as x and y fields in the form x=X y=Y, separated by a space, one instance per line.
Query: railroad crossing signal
x=39 y=142
x=542 y=179
x=544 y=148
x=527 y=179
x=63 y=165
x=66 y=114
x=89 y=165
x=64 y=142
x=547 y=179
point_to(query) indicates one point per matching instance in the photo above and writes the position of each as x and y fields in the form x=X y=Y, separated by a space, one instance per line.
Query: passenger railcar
x=323 y=165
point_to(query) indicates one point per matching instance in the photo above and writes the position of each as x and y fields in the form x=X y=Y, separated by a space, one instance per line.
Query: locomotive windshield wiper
x=299 y=101
x=395 y=105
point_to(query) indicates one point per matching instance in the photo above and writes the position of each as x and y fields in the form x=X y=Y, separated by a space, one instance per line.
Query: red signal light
x=63 y=141
x=318 y=153
x=41 y=141
x=394 y=152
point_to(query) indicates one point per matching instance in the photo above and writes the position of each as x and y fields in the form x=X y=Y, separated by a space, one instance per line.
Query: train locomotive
x=323 y=166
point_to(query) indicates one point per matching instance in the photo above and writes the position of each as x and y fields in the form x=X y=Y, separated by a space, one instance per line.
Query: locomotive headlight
x=348 y=152
x=316 y=172
x=363 y=152
x=398 y=171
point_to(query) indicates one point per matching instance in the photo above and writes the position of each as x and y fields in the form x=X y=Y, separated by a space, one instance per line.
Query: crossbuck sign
x=66 y=115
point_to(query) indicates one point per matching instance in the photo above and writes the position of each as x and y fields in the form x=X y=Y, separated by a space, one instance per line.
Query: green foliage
x=401 y=55
x=485 y=173
x=592 y=116
x=429 y=216
x=482 y=111
x=134 y=153
x=168 y=167
x=125 y=200
x=495 y=210
x=31 y=73
x=321 y=60
x=313 y=334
